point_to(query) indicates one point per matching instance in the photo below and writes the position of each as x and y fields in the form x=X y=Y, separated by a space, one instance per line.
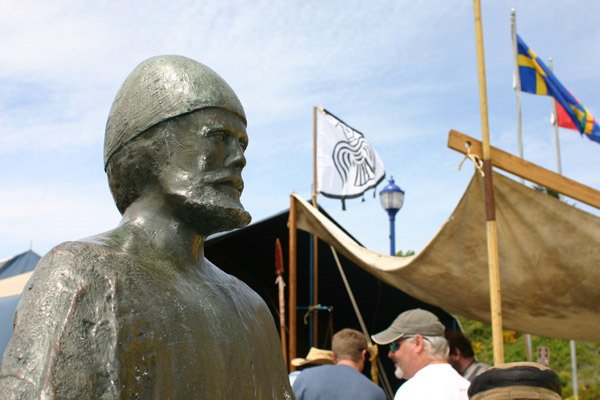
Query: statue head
x=178 y=127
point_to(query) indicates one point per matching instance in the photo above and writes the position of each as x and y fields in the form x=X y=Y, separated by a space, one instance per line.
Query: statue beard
x=209 y=217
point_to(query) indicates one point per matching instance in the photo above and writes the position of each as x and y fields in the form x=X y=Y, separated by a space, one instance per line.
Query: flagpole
x=315 y=243
x=574 y=377
x=490 y=208
x=314 y=187
x=517 y=88
x=517 y=80
x=555 y=123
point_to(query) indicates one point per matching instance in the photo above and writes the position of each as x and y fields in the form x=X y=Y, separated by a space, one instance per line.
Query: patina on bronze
x=138 y=312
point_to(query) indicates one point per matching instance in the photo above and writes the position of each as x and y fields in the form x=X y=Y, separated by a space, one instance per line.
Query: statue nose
x=236 y=155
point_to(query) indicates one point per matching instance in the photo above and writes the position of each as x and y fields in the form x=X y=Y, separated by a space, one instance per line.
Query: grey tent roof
x=19 y=264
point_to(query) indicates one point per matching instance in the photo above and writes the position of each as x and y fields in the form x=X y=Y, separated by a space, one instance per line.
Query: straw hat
x=315 y=356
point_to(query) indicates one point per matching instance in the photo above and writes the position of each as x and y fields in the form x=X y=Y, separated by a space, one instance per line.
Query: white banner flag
x=347 y=165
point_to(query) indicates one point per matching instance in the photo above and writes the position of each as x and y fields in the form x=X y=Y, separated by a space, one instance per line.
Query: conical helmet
x=160 y=88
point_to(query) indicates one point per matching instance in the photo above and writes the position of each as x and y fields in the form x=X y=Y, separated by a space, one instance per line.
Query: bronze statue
x=138 y=312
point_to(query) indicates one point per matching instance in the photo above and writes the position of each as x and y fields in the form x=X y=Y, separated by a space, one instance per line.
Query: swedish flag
x=537 y=78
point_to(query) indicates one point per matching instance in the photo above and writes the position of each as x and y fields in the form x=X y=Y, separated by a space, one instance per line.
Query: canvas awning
x=549 y=253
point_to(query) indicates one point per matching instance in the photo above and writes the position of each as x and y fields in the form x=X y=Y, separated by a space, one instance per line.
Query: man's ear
x=419 y=342
x=335 y=360
x=363 y=355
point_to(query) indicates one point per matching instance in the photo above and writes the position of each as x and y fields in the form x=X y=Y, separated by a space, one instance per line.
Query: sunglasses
x=395 y=345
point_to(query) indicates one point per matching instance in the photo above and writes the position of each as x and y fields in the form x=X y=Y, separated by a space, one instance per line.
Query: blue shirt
x=332 y=382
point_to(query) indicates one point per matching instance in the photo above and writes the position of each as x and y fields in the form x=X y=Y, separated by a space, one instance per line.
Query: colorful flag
x=537 y=78
x=347 y=165
x=562 y=118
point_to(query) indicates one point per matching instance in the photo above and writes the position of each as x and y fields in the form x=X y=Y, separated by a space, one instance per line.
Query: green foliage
x=405 y=254
x=588 y=356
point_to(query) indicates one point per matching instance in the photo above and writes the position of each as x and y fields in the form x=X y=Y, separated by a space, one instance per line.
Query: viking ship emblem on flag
x=347 y=164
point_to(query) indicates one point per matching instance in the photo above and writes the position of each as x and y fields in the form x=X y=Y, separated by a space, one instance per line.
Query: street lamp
x=392 y=198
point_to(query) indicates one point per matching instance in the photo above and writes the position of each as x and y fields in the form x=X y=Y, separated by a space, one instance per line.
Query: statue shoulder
x=66 y=308
x=64 y=273
x=70 y=258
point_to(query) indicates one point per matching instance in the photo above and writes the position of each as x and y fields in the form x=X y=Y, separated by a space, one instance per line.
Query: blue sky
x=401 y=72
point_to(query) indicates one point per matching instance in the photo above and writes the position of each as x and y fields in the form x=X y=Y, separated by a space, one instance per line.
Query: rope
x=310 y=309
x=372 y=348
x=477 y=162
x=329 y=310
x=373 y=353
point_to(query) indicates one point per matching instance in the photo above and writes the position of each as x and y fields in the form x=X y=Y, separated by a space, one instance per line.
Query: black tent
x=249 y=254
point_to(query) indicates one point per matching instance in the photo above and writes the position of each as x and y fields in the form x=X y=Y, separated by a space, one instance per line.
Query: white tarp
x=549 y=254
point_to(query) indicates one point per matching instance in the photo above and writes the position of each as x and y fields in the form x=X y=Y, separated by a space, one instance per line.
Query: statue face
x=202 y=176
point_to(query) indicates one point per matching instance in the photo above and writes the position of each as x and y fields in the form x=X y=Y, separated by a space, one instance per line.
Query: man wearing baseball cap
x=419 y=351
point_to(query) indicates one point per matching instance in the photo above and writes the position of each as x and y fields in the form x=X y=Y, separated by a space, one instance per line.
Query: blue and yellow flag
x=537 y=78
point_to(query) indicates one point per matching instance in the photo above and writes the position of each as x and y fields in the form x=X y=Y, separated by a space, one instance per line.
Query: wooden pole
x=524 y=169
x=292 y=293
x=490 y=207
x=315 y=261
x=574 y=378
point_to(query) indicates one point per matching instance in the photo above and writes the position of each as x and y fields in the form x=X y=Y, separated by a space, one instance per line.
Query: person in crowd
x=419 y=351
x=516 y=381
x=315 y=357
x=344 y=380
x=462 y=357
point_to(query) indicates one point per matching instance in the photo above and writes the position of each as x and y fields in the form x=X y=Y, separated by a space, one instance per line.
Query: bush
x=588 y=356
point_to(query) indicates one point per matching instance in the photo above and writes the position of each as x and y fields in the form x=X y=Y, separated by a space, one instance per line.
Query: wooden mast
x=490 y=207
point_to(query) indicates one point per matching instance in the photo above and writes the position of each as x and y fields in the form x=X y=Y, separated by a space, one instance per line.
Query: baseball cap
x=409 y=323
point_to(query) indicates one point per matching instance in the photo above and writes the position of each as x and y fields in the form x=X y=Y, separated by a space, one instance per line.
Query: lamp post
x=392 y=198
